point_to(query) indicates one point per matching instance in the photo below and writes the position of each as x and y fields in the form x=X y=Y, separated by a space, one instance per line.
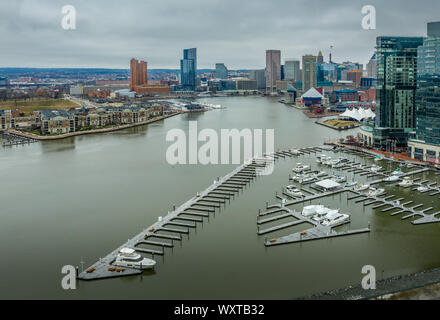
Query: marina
x=111 y=187
x=11 y=139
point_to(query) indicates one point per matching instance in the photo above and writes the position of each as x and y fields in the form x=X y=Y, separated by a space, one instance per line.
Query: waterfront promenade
x=78 y=133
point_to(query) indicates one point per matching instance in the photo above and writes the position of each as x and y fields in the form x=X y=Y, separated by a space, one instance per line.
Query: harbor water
x=75 y=200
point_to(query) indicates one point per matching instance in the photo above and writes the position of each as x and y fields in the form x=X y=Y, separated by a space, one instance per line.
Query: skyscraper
x=273 y=69
x=221 y=72
x=292 y=70
x=396 y=88
x=138 y=74
x=188 y=70
x=309 y=72
x=320 y=59
x=426 y=145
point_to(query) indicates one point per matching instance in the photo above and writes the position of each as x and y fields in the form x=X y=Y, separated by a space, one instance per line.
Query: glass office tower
x=188 y=70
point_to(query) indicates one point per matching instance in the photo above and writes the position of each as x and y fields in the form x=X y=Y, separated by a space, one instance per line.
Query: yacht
x=338 y=179
x=295 y=152
x=128 y=257
x=378 y=158
x=406 y=182
x=375 y=168
x=334 y=218
x=391 y=179
x=374 y=192
x=397 y=172
x=320 y=174
x=361 y=187
x=293 y=192
x=300 y=168
x=311 y=210
x=351 y=184
x=321 y=213
x=423 y=188
x=307 y=179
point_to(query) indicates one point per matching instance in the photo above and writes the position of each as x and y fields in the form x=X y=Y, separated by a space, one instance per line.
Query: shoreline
x=385 y=288
x=94 y=131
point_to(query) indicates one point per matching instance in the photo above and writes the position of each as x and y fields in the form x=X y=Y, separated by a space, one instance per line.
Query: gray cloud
x=236 y=32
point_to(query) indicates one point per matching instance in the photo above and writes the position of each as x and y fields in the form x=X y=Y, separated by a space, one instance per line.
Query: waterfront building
x=292 y=70
x=260 y=77
x=312 y=98
x=396 y=89
x=188 y=70
x=309 y=72
x=221 y=72
x=138 y=73
x=57 y=122
x=425 y=145
x=273 y=69
x=245 y=84
x=139 y=79
x=344 y=95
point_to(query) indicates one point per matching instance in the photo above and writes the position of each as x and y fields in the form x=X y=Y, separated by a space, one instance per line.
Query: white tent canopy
x=358 y=114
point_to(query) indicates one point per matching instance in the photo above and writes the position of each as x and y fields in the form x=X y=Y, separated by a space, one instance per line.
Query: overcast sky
x=236 y=32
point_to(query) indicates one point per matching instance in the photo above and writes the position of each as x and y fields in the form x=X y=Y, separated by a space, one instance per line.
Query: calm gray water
x=85 y=196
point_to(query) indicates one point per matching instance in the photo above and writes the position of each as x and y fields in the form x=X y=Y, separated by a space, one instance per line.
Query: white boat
x=338 y=179
x=300 y=168
x=320 y=174
x=397 y=172
x=335 y=218
x=293 y=192
x=375 y=168
x=351 y=184
x=321 y=213
x=361 y=187
x=406 y=182
x=423 y=188
x=128 y=257
x=311 y=210
x=307 y=179
x=391 y=179
x=295 y=152
x=374 y=192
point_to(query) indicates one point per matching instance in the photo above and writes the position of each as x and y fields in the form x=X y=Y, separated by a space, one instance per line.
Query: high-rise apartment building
x=188 y=70
x=221 y=72
x=426 y=145
x=138 y=74
x=309 y=72
x=396 y=89
x=273 y=69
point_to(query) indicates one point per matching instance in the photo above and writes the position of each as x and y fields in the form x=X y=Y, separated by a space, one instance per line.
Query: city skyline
x=239 y=40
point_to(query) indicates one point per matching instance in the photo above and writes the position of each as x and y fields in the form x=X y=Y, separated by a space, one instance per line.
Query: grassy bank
x=35 y=104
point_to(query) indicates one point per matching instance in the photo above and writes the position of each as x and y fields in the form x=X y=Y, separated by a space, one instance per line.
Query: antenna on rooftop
x=330 y=55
